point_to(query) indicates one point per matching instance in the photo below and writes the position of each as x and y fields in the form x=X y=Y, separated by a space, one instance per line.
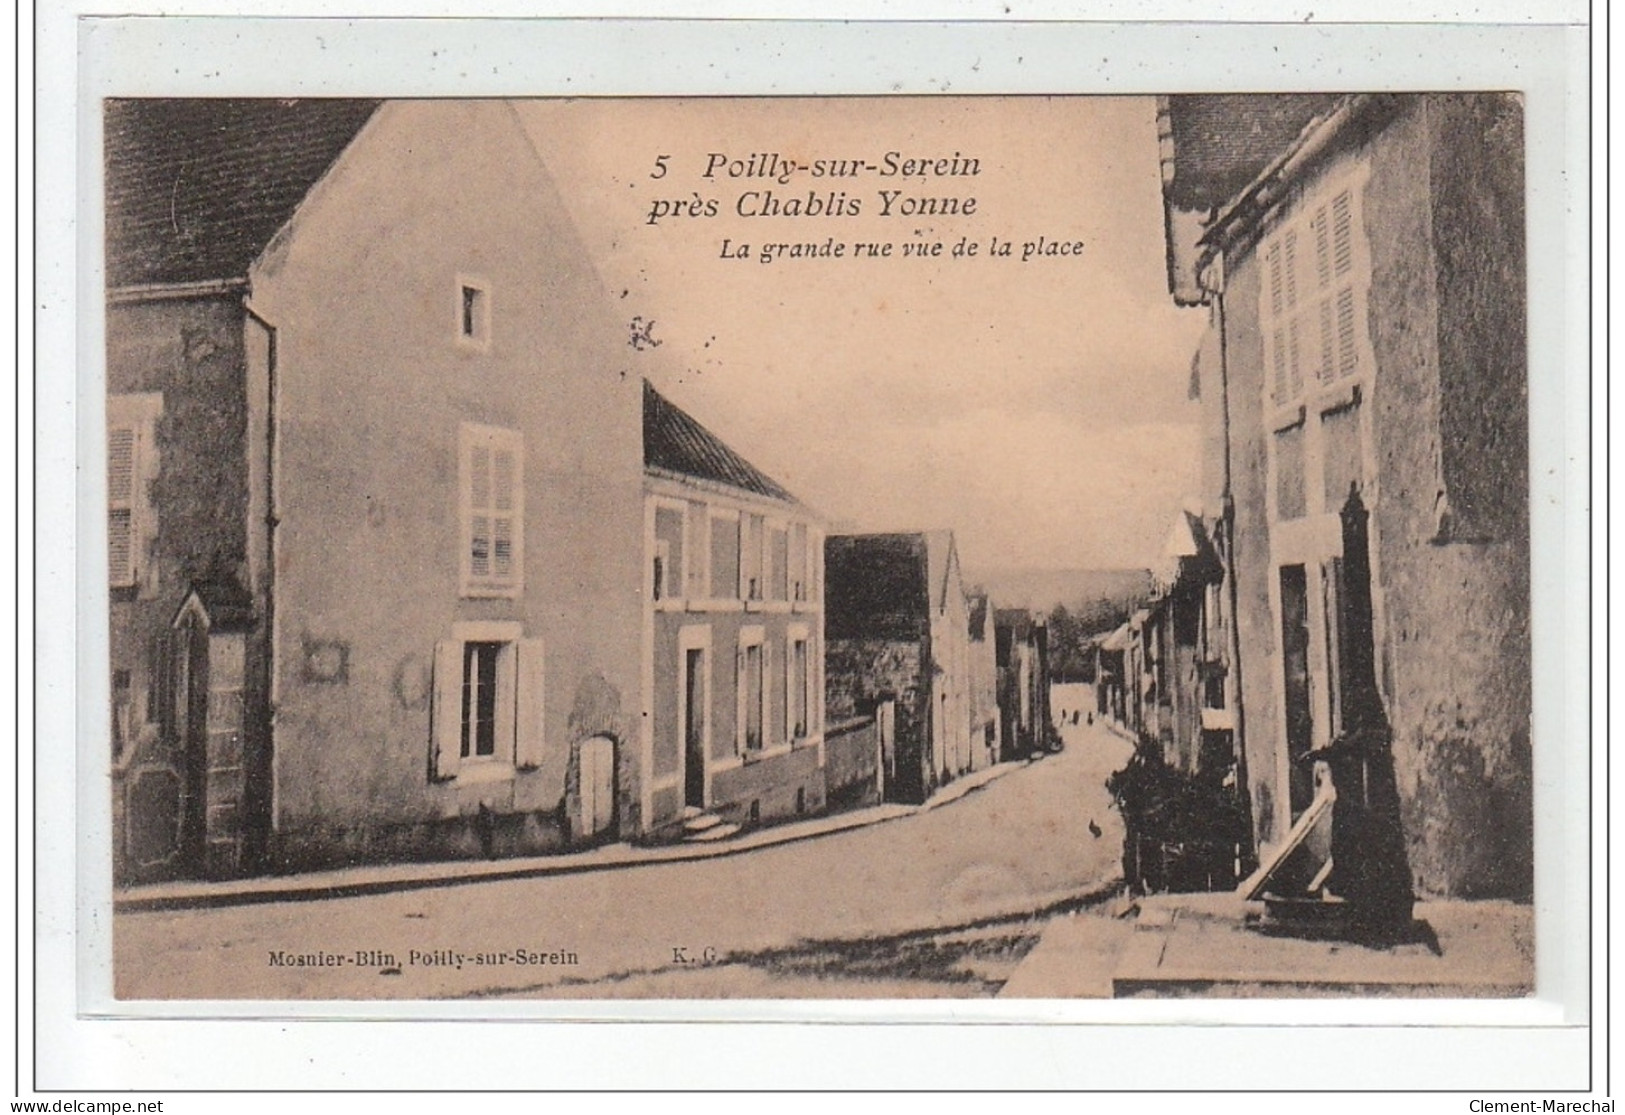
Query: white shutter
x=1289 y=269
x=122 y=477
x=503 y=506
x=530 y=722
x=446 y=716
x=739 y=700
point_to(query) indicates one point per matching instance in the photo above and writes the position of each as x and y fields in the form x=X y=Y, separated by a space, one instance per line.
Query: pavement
x=385 y=878
x=1172 y=946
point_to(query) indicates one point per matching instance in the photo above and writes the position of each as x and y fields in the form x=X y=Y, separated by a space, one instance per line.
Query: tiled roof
x=196 y=188
x=1222 y=141
x=674 y=442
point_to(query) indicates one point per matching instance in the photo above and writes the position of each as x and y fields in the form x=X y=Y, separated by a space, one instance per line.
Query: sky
x=1037 y=408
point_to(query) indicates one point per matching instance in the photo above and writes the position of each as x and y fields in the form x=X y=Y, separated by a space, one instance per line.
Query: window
x=751 y=578
x=799 y=705
x=1290 y=496
x=121 y=483
x=492 y=498
x=752 y=689
x=1316 y=274
x=479 y=718
x=779 y=566
x=488 y=713
x=724 y=556
x=697 y=551
x=131 y=465
x=798 y=562
x=1342 y=454
x=668 y=556
x=473 y=313
x=1313 y=307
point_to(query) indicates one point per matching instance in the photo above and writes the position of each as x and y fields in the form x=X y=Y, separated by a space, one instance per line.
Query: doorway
x=1295 y=644
x=694 y=710
x=190 y=675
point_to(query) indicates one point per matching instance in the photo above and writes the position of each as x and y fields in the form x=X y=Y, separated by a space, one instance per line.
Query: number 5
x=660 y=167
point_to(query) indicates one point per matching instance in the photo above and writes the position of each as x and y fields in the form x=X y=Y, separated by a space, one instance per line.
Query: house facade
x=1363 y=385
x=984 y=682
x=899 y=631
x=1022 y=662
x=735 y=625
x=376 y=500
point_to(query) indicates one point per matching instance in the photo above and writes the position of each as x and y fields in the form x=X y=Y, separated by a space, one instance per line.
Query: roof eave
x=721 y=487
x=163 y=292
x=1245 y=211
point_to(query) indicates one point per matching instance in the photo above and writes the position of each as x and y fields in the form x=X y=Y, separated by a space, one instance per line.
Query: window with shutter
x=798 y=562
x=121 y=484
x=132 y=464
x=491 y=495
x=1312 y=309
x=1315 y=274
x=487 y=717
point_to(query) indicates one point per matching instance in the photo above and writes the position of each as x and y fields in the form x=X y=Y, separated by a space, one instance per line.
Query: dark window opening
x=473 y=310
x=480 y=699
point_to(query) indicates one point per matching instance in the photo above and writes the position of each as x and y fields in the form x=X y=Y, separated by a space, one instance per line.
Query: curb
x=386 y=879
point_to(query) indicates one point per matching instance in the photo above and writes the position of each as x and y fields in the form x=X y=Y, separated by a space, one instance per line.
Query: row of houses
x=1351 y=602
x=406 y=562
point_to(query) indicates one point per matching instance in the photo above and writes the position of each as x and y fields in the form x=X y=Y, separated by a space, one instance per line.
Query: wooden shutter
x=530 y=722
x=504 y=510
x=739 y=700
x=446 y=716
x=122 y=477
x=1344 y=280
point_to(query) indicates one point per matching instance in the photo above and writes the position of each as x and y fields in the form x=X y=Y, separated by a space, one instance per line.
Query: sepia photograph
x=1027 y=547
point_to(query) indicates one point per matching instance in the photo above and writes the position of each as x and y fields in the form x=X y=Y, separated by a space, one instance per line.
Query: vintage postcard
x=1019 y=547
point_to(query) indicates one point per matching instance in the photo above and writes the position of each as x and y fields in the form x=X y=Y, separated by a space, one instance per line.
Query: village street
x=1022 y=842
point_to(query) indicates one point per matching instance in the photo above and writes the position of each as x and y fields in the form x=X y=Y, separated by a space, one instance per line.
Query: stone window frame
x=473 y=441
x=520 y=703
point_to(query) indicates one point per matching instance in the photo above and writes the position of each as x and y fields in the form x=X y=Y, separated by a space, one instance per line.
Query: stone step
x=701 y=822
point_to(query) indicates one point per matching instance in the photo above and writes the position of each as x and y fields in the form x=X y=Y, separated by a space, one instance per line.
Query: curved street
x=796 y=920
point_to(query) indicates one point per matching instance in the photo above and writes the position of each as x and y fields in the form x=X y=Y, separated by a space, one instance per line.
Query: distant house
x=375 y=499
x=1022 y=661
x=1194 y=731
x=1365 y=486
x=898 y=629
x=1111 y=655
x=735 y=575
x=984 y=682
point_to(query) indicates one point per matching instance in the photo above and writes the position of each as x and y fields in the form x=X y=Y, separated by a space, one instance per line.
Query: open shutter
x=121 y=481
x=529 y=719
x=739 y=700
x=447 y=714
